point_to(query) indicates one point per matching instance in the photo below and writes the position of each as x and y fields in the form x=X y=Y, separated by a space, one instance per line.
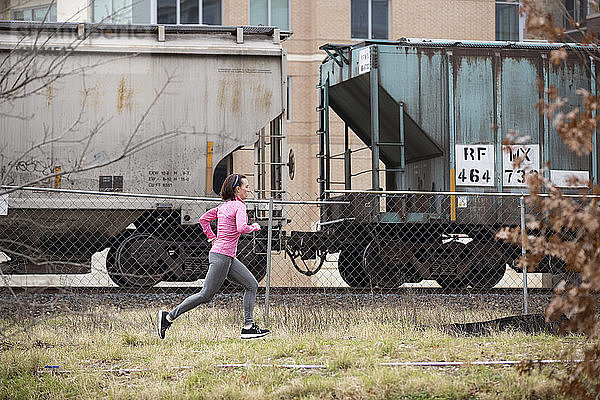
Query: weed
x=130 y=339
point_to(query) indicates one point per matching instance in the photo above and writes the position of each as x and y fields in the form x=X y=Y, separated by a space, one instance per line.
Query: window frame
x=521 y=17
x=370 y=22
x=31 y=10
x=154 y=12
x=578 y=7
x=289 y=16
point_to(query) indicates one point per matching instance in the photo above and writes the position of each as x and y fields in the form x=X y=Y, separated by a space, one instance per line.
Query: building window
x=45 y=13
x=212 y=12
x=189 y=12
x=166 y=11
x=289 y=99
x=122 y=11
x=575 y=13
x=510 y=25
x=270 y=13
x=369 y=19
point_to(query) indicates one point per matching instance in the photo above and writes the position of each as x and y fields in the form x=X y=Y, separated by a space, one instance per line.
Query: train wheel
x=382 y=271
x=351 y=270
x=135 y=262
x=451 y=282
x=484 y=271
x=111 y=268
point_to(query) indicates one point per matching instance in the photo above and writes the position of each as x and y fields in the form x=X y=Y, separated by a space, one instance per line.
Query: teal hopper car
x=435 y=115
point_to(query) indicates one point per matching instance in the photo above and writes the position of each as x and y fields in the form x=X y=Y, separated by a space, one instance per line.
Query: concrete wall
x=73 y=11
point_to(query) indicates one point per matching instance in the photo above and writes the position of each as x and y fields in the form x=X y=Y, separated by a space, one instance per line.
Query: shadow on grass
x=532 y=324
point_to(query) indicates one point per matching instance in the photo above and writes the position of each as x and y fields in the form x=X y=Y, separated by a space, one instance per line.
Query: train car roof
x=169 y=29
x=421 y=42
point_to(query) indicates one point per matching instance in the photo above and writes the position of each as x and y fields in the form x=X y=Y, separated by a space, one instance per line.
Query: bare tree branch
x=128 y=150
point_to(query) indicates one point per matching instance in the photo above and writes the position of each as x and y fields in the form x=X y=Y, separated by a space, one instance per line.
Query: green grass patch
x=351 y=342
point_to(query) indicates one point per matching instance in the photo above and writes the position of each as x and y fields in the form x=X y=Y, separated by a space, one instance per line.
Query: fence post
x=523 y=250
x=268 y=277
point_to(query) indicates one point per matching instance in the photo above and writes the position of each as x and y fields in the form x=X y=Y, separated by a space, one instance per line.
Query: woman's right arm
x=205 y=219
x=241 y=220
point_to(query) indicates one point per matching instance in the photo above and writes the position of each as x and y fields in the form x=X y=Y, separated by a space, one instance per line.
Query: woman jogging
x=232 y=222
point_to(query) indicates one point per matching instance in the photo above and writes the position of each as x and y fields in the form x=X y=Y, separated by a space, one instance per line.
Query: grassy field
x=350 y=341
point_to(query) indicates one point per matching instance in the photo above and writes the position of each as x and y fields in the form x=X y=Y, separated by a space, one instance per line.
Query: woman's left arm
x=205 y=219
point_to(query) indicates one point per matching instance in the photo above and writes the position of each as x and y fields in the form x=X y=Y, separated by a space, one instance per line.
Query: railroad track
x=276 y=290
x=17 y=303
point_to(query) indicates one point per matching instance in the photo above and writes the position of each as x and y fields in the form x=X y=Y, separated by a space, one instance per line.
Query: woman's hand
x=256 y=226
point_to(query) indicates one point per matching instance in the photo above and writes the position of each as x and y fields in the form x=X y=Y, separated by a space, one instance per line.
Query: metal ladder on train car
x=276 y=165
x=323 y=155
x=275 y=162
x=336 y=52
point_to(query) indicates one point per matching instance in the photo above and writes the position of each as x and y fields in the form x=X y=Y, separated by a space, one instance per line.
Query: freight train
x=162 y=109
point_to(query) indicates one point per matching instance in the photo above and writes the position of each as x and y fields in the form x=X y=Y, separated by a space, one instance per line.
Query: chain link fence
x=365 y=240
x=407 y=239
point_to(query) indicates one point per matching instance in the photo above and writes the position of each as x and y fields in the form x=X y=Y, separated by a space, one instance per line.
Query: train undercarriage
x=388 y=256
x=154 y=247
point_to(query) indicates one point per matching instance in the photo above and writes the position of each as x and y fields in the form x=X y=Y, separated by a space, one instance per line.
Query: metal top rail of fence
x=431 y=193
x=9 y=189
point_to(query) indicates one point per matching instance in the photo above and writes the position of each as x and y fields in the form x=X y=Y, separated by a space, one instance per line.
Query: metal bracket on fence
x=268 y=277
x=255 y=241
x=335 y=221
x=523 y=250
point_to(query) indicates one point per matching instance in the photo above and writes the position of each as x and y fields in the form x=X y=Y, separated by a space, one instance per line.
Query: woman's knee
x=252 y=285
x=206 y=295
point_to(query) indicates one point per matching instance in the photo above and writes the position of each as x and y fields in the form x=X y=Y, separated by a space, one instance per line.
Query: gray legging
x=221 y=267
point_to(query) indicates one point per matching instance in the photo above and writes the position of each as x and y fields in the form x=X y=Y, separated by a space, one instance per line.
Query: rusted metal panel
x=467 y=97
x=519 y=94
x=474 y=103
x=568 y=78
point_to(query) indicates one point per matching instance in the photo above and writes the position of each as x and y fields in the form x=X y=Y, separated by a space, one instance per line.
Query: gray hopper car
x=137 y=109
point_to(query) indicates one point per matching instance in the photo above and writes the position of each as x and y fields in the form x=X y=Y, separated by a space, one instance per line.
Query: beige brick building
x=313 y=23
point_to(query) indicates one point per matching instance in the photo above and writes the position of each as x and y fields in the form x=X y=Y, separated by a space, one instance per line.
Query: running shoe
x=254 y=332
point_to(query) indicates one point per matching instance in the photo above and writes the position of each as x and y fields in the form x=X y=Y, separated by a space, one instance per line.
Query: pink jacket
x=232 y=222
